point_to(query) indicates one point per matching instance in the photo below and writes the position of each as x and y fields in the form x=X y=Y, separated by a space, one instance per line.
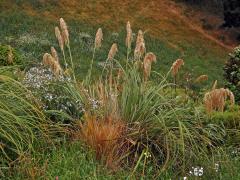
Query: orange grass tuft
x=104 y=136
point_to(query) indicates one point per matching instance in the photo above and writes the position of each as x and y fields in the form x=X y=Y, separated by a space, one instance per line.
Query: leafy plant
x=232 y=73
x=9 y=56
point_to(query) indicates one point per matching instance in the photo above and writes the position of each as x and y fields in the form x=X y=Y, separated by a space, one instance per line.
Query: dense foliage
x=9 y=56
x=232 y=72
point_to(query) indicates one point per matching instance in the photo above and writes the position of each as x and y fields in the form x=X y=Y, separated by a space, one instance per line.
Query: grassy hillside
x=134 y=121
x=28 y=25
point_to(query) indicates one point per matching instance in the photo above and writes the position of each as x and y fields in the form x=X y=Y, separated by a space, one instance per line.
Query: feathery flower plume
x=98 y=38
x=176 y=66
x=54 y=65
x=54 y=54
x=201 y=78
x=10 y=55
x=64 y=29
x=140 y=46
x=216 y=99
x=46 y=59
x=56 y=68
x=59 y=38
x=147 y=64
x=129 y=35
x=112 y=52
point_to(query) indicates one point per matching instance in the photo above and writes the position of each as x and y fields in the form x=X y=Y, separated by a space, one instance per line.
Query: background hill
x=174 y=30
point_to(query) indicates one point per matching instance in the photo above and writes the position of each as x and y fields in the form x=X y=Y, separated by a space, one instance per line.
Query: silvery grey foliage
x=53 y=92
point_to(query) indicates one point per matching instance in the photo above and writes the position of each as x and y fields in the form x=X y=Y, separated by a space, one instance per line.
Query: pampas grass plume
x=140 y=46
x=147 y=64
x=176 y=66
x=59 y=38
x=98 y=38
x=201 y=78
x=112 y=52
x=54 y=54
x=129 y=35
x=65 y=33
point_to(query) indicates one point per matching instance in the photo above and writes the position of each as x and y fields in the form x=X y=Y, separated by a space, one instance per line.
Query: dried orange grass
x=104 y=136
x=147 y=64
x=216 y=99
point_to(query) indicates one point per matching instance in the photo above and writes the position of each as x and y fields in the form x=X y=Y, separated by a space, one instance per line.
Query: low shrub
x=10 y=56
x=232 y=73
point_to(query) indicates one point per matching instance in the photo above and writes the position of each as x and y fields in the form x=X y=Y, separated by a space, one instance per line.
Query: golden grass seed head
x=46 y=59
x=113 y=51
x=129 y=35
x=201 y=78
x=54 y=54
x=147 y=64
x=59 y=38
x=140 y=48
x=176 y=66
x=65 y=33
x=98 y=38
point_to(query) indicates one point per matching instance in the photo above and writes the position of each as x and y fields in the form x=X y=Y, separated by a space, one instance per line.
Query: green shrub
x=5 y=50
x=232 y=73
x=230 y=119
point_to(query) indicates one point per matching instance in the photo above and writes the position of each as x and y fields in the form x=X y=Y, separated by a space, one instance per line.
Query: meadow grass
x=143 y=127
x=35 y=36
